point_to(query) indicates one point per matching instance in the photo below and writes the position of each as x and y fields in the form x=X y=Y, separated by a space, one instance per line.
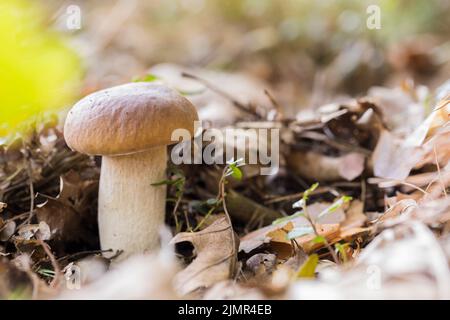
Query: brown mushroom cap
x=129 y=118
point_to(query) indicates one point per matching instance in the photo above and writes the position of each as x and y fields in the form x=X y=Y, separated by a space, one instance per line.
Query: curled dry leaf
x=39 y=231
x=216 y=256
x=261 y=263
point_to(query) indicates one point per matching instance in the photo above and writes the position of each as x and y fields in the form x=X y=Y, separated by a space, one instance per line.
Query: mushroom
x=129 y=125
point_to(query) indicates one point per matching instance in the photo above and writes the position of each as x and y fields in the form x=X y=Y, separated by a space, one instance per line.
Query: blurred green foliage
x=39 y=73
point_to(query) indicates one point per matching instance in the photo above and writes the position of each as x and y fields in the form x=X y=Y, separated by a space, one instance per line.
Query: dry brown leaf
x=280 y=236
x=391 y=159
x=318 y=167
x=279 y=241
x=254 y=240
x=211 y=105
x=39 y=231
x=400 y=111
x=7 y=229
x=216 y=256
x=354 y=215
x=69 y=216
x=14 y=283
x=405 y=262
x=261 y=263
x=280 y=233
x=330 y=231
x=276 y=234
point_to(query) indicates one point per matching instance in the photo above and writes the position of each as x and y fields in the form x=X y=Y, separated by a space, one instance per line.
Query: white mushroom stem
x=131 y=210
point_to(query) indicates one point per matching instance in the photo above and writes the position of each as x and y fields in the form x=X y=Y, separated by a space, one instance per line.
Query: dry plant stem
x=325 y=241
x=55 y=265
x=222 y=195
x=31 y=187
x=212 y=87
x=175 y=209
x=275 y=104
x=131 y=209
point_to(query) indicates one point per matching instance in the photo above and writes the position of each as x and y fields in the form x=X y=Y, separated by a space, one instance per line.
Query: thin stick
x=325 y=241
x=275 y=104
x=73 y=256
x=31 y=188
x=222 y=192
x=212 y=87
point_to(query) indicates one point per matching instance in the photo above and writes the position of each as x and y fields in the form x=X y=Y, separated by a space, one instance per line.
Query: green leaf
x=163 y=182
x=236 y=173
x=300 y=231
x=299 y=204
x=211 y=202
x=308 y=268
x=178 y=183
x=147 y=78
x=288 y=218
x=191 y=93
x=319 y=239
x=302 y=202
x=336 y=205
x=341 y=248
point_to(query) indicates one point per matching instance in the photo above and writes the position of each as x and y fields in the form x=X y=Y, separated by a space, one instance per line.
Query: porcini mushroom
x=130 y=126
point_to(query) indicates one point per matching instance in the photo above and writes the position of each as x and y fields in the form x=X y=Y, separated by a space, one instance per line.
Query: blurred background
x=308 y=52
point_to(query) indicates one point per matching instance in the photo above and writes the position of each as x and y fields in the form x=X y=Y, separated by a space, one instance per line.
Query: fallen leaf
x=216 y=256
x=211 y=105
x=308 y=269
x=39 y=231
x=147 y=276
x=14 y=283
x=354 y=216
x=329 y=231
x=400 y=111
x=276 y=235
x=391 y=159
x=70 y=215
x=7 y=229
x=261 y=263
x=318 y=167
